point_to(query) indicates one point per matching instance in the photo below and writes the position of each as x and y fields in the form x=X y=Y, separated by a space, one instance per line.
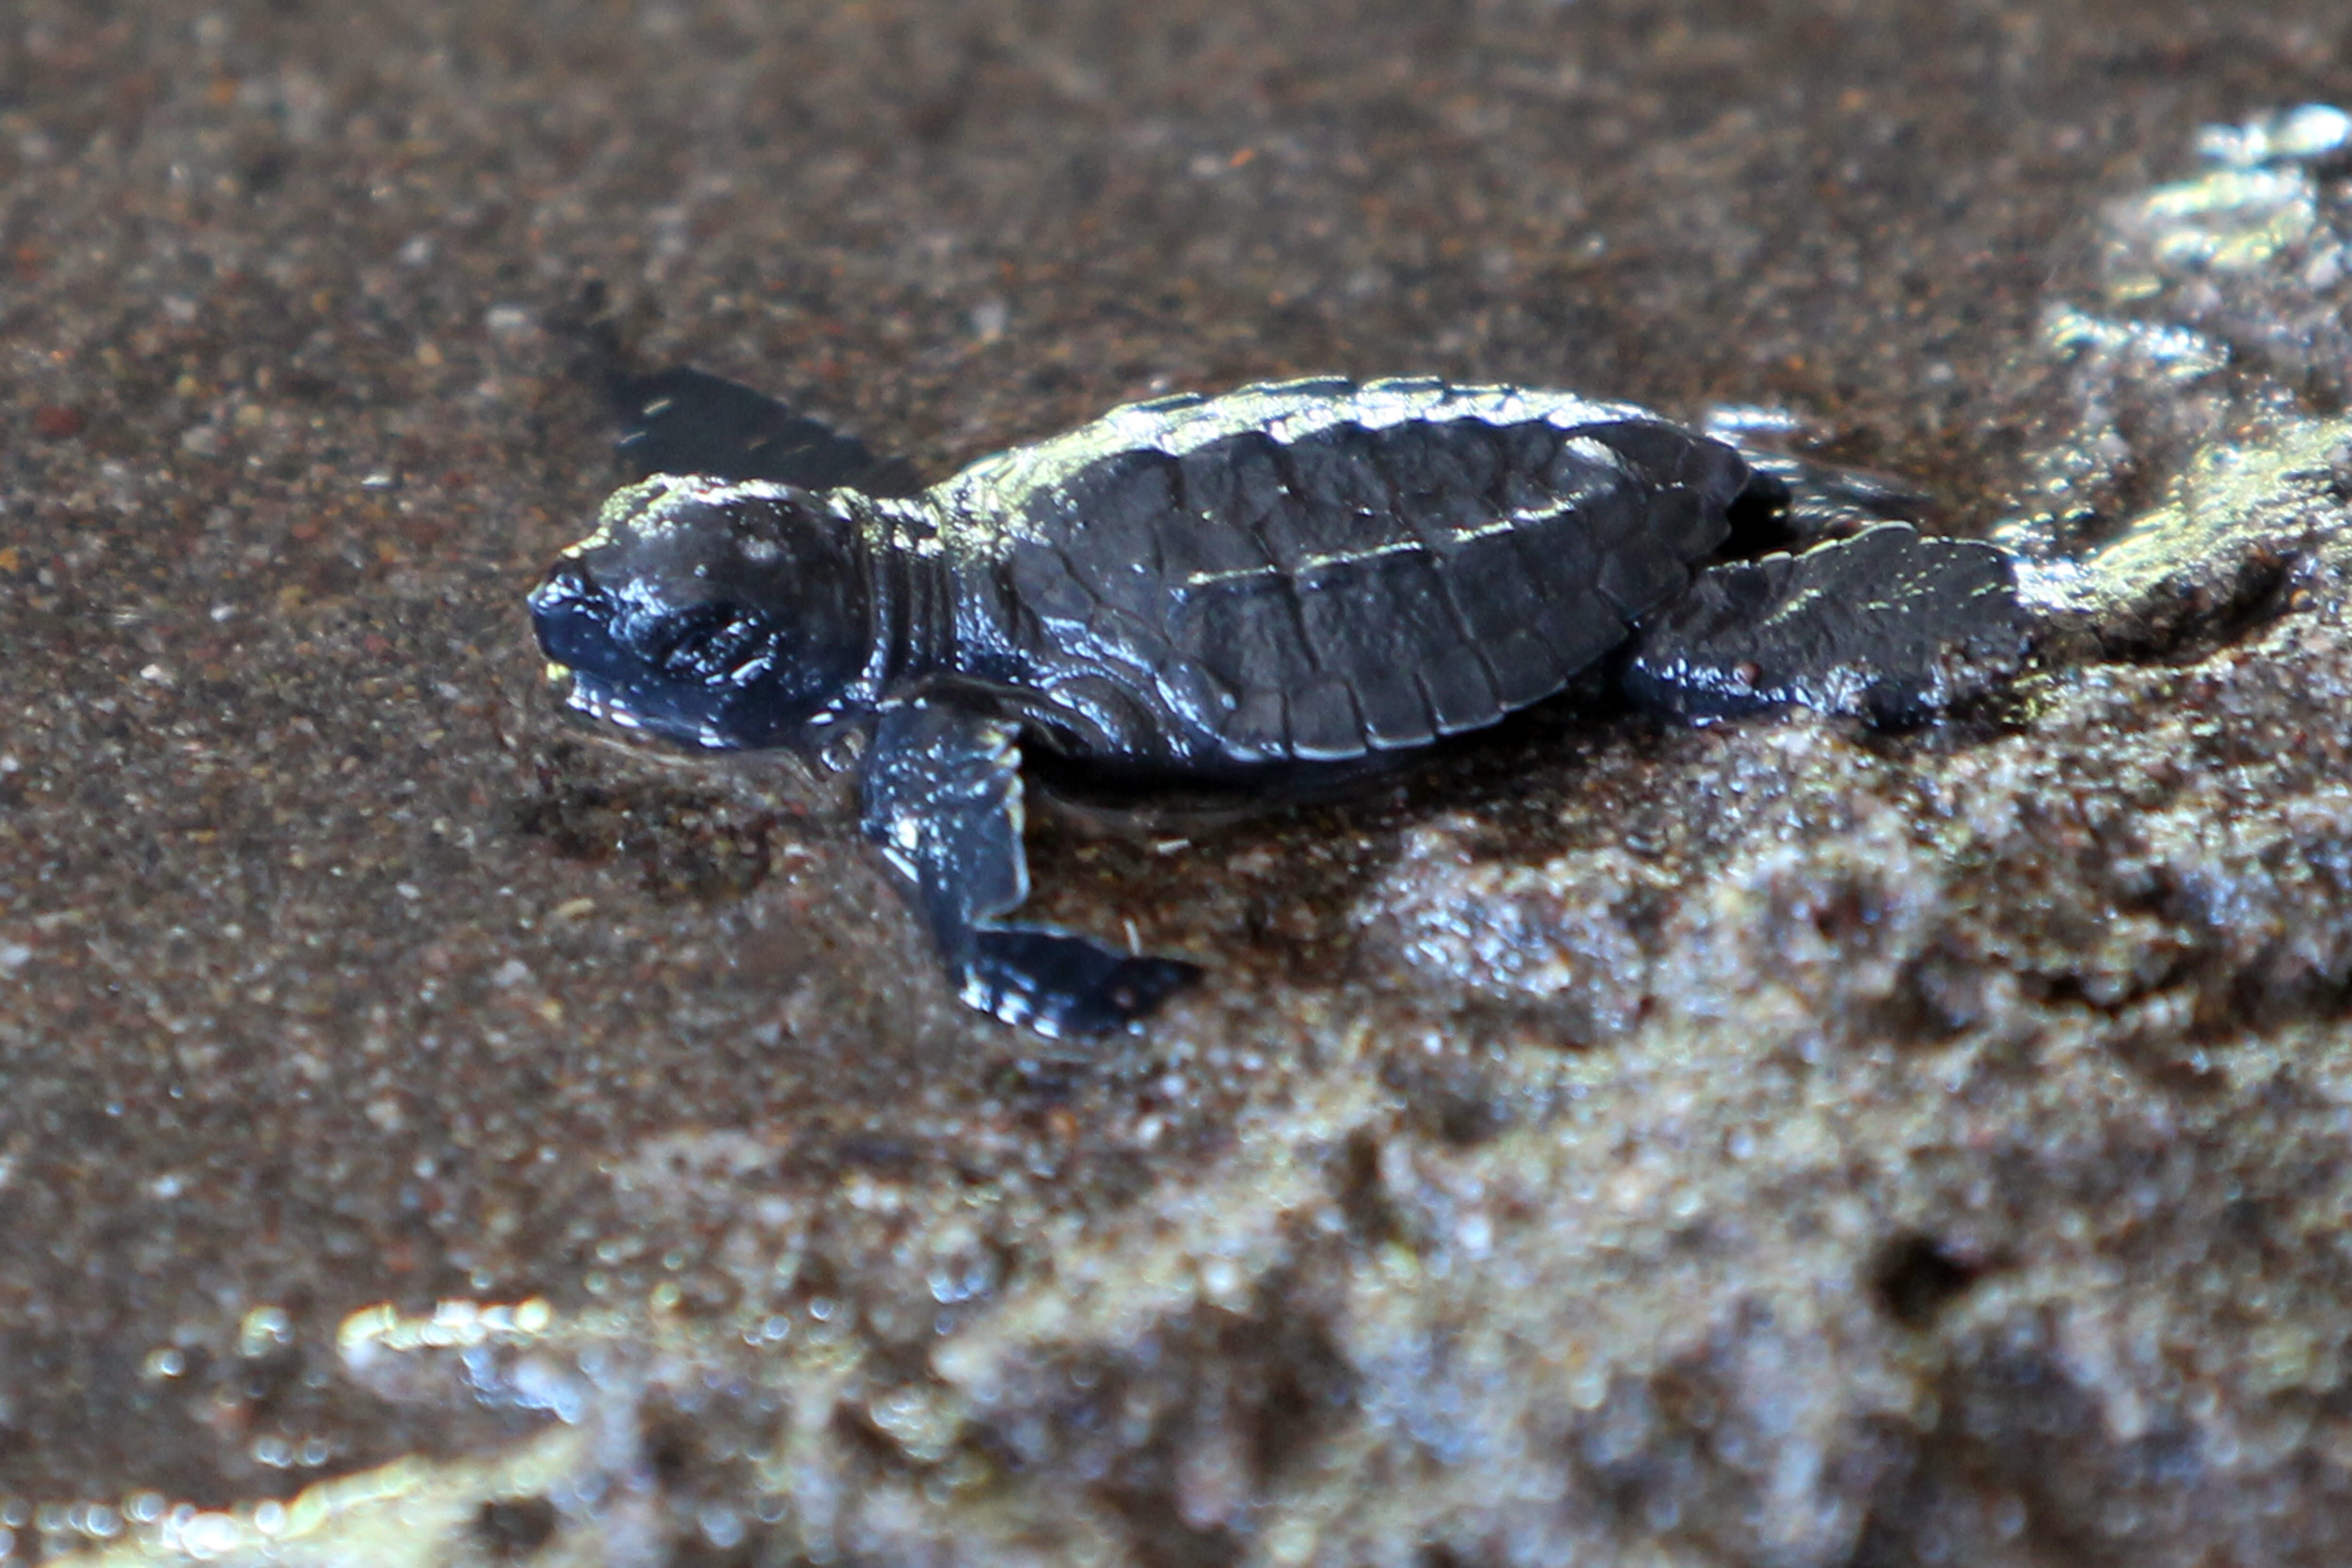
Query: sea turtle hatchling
x=1263 y=590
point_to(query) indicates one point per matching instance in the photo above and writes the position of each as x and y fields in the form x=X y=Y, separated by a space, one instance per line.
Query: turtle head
x=720 y=614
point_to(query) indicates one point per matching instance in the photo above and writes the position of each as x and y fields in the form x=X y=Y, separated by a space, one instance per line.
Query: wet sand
x=1773 y=1142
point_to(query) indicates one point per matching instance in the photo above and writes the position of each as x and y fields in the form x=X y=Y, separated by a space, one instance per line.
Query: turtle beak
x=590 y=699
x=572 y=617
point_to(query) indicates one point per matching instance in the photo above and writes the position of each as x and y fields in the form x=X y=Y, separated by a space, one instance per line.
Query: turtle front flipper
x=942 y=797
x=685 y=421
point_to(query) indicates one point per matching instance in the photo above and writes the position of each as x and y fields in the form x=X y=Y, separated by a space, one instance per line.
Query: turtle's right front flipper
x=942 y=797
x=685 y=421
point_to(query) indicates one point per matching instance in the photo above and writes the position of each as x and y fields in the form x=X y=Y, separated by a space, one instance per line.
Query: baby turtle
x=1265 y=591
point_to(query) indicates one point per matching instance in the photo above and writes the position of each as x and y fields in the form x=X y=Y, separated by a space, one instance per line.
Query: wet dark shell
x=1317 y=570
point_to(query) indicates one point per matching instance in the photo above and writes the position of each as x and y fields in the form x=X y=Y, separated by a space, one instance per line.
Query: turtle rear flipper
x=1791 y=500
x=1889 y=625
x=943 y=800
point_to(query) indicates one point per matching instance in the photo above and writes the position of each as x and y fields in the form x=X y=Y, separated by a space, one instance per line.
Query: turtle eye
x=708 y=642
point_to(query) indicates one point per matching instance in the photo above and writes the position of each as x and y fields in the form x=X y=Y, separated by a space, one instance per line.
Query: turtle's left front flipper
x=942 y=797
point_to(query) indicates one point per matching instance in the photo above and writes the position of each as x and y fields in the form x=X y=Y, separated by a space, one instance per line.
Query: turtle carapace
x=1283 y=583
